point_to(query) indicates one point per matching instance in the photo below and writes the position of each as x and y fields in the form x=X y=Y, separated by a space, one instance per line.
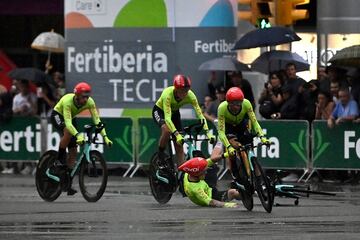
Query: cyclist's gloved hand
x=107 y=141
x=179 y=139
x=80 y=139
x=230 y=205
x=211 y=138
x=264 y=140
x=231 y=150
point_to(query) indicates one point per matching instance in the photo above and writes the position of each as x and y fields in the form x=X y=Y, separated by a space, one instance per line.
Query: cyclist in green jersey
x=63 y=119
x=236 y=118
x=167 y=115
x=199 y=192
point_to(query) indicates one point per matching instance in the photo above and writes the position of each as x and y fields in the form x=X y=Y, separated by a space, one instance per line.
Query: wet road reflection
x=128 y=211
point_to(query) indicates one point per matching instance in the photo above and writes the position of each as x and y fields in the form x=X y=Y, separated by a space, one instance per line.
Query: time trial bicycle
x=52 y=180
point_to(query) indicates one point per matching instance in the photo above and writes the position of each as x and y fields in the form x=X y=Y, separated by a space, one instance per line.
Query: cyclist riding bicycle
x=236 y=118
x=167 y=115
x=199 y=192
x=63 y=119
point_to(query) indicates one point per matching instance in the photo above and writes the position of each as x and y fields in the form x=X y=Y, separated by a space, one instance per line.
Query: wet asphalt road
x=128 y=211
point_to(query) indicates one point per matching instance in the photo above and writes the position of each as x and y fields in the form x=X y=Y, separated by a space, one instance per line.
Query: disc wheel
x=93 y=177
x=48 y=189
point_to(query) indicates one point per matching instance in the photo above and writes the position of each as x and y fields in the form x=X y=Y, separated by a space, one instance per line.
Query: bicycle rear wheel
x=160 y=190
x=93 y=177
x=263 y=187
x=48 y=189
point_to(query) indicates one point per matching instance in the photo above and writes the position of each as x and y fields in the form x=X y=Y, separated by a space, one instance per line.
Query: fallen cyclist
x=199 y=192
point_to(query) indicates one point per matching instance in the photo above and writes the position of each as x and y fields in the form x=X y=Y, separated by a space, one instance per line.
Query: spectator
x=337 y=75
x=60 y=82
x=207 y=102
x=46 y=100
x=212 y=84
x=289 y=109
x=345 y=110
x=271 y=97
x=334 y=91
x=5 y=105
x=238 y=81
x=24 y=103
x=292 y=80
x=324 y=106
x=323 y=81
x=308 y=97
x=211 y=113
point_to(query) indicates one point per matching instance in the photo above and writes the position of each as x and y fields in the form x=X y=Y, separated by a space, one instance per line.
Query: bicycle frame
x=85 y=152
x=189 y=155
x=188 y=141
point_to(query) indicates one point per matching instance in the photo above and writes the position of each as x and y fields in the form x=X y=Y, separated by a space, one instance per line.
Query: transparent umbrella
x=49 y=42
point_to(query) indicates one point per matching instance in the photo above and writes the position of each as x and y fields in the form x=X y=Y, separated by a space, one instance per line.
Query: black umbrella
x=34 y=75
x=263 y=37
x=277 y=60
x=347 y=57
x=224 y=64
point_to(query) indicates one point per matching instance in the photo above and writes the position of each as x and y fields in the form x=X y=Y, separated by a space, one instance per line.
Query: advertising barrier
x=291 y=144
x=336 y=148
x=20 y=139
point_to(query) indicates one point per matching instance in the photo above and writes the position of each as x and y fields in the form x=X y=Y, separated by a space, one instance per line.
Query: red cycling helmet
x=182 y=81
x=82 y=88
x=194 y=166
x=234 y=94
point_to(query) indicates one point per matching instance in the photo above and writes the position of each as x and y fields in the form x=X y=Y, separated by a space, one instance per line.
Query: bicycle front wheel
x=48 y=189
x=93 y=177
x=263 y=187
x=158 y=189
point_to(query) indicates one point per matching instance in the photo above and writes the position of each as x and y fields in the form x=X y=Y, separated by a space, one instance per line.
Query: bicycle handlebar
x=89 y=129
x=251 y=146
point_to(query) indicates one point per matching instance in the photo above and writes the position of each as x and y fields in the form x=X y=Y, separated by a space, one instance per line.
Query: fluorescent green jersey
x=67 y=108
x=198 y=192
x=168 y=103
x=226 y=117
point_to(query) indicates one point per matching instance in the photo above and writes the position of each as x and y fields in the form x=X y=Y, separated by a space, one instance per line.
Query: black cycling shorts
x=240 y=131
x=58 y=122
x=159 y=117
x=219 y=195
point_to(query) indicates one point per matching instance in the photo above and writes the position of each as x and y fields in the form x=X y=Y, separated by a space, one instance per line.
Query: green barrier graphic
x=20 y=139
x=337 y=148
x=149 y=134
x=291 y=144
